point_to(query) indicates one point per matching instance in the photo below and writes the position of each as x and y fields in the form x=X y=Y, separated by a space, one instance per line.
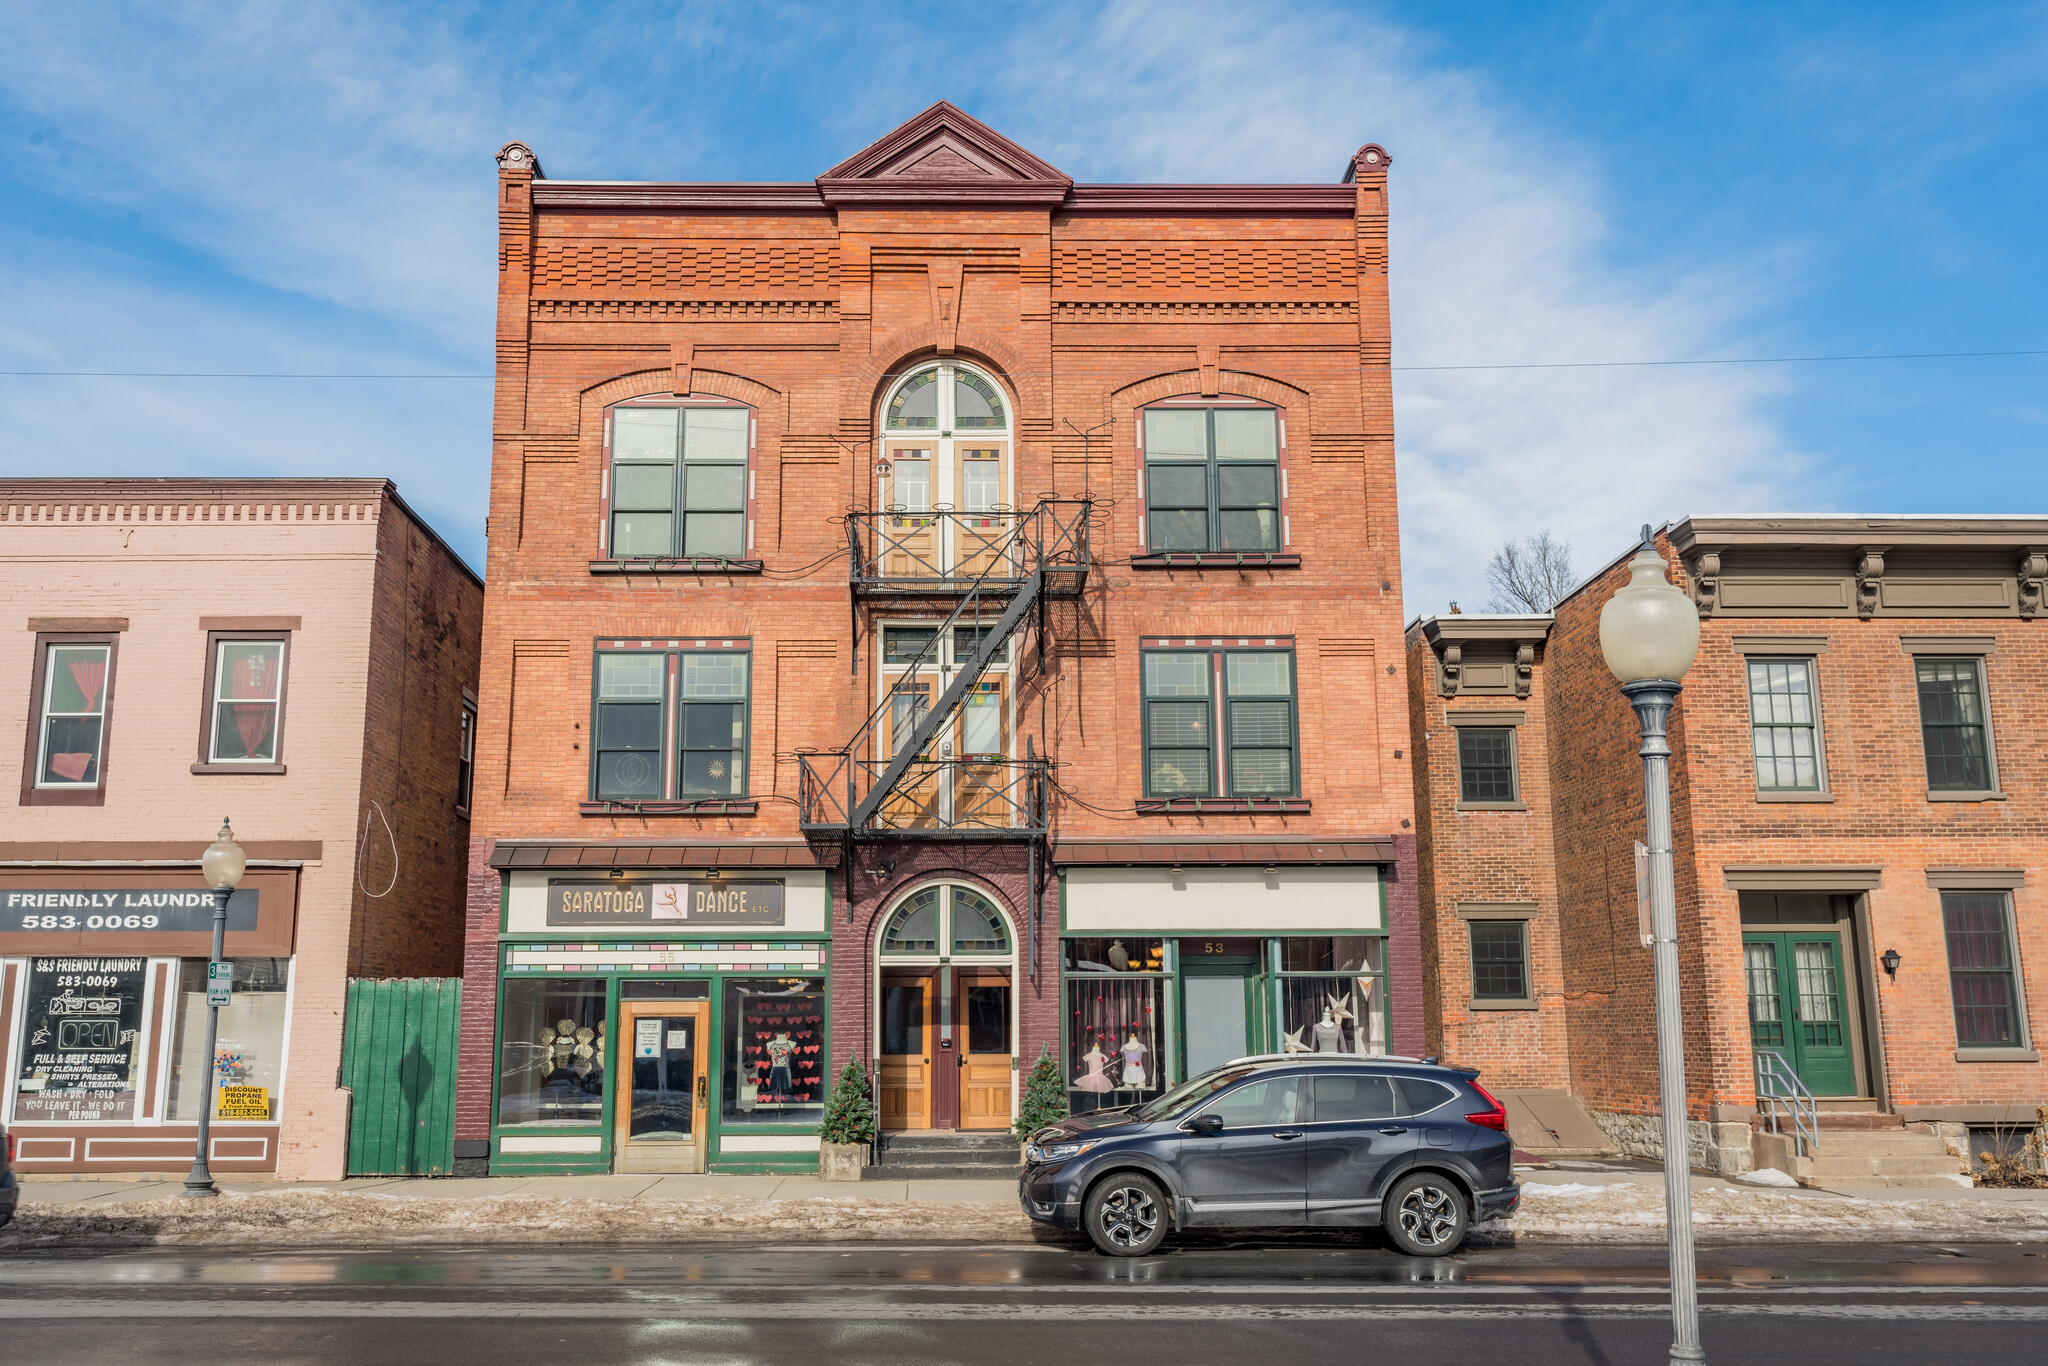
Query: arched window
x=960 y=918
x=946 y=398
x=946 y=448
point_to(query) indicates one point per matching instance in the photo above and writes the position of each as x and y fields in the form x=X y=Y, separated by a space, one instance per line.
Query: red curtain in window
x=90 y=675
x=251 y=676
x=252 y=719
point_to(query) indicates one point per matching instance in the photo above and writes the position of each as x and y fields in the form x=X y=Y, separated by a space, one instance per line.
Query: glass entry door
x=1796 y=1005
x=1215 y=1021
x=661 y=1112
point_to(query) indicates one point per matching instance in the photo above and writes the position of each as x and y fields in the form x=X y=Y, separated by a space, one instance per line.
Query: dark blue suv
x=1323 y=1141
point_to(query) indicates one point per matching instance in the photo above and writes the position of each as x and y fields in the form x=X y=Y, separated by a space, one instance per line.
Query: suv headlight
x=1056 y=1152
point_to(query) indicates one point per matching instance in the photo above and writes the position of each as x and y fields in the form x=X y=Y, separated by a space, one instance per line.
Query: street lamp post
x=1649 y=632
x=223 y=864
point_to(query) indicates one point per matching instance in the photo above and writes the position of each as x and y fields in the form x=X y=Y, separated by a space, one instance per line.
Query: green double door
x=1796 y=1005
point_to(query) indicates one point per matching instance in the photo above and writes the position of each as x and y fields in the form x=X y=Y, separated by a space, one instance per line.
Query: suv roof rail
x=1326 y=1057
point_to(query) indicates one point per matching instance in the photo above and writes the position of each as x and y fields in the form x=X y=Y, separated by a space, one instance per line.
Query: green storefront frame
x=717 y=1127
x=1259 y=965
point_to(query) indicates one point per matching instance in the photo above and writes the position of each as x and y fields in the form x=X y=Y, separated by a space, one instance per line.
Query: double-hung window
x=1982 y=982
x=245 y=700
x=74 y=679
x=1212 y=479
x=1784 y=725
x=679 y=482
x=1500 y=960
x=1486 y=764
x=1954 y=730
x=1220 y=713
x=465 y=773
x=670 y=724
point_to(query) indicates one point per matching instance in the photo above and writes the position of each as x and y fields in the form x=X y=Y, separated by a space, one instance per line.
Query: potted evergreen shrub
x=849 y=1126
x=1044 y=1099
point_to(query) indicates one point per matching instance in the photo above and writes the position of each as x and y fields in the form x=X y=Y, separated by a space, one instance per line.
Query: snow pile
x=1767 y=1176
x=1632 y=1213
x=325 y=1218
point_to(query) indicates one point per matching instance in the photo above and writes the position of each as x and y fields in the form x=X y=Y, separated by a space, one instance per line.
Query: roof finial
x=1648 y=544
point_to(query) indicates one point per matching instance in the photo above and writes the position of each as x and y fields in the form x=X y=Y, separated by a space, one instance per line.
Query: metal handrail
x=889 y=550
x=1777 y=1083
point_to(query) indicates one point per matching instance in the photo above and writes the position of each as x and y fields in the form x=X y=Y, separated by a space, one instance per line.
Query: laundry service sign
x=176 y=909
x=704 y=905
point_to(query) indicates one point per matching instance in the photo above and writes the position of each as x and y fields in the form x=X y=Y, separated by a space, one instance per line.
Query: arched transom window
x=946 y=447
x=946 y=919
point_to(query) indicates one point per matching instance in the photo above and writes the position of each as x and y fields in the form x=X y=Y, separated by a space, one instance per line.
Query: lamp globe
x=1649 y=630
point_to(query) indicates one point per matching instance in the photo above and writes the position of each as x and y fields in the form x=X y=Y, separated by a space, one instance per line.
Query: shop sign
x=243 y=1102
x=79 y=1039
x=175 y=909
x=706 y=904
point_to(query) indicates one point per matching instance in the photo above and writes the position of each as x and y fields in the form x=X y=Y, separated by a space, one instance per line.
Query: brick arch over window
x=915 y=346
x=770 y=405
x=1229 y=384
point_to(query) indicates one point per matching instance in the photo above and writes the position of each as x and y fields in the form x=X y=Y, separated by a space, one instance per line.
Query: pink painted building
x=298 y=655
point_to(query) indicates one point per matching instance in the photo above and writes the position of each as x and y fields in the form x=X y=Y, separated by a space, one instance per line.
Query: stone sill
x=238 y=768
x=1501 y=1005
x=1795 y=796
x=1988 y=796
x=1493 y=806
x=1218 y=559
x=702 y=564
x=712 y=806
x=1997 y=1055
x=1224 y=806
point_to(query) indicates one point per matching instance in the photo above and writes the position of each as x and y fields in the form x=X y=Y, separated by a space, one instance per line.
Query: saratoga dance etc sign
x=705 y=905
x=174 y=909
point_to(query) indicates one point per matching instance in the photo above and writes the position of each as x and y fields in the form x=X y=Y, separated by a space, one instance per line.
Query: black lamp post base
x=199 y=1183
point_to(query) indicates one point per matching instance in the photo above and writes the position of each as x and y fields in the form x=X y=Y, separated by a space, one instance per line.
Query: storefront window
x=250 y=1048
x=81 y=1039
x=1333 y=994
x=551 y=1061
x=1116 y=1009
x=775 y=1044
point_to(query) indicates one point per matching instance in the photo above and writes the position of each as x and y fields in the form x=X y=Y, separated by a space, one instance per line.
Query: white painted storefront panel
x=768 y=1143
x=1238 y=900
x=803 y=905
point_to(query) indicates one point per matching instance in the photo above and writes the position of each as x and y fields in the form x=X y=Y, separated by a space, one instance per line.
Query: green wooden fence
x=398 y=1058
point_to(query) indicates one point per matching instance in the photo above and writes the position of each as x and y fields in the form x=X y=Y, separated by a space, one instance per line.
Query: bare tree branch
x=1532 y=575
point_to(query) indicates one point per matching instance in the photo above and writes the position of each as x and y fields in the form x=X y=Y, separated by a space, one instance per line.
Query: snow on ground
x=1563 y=1212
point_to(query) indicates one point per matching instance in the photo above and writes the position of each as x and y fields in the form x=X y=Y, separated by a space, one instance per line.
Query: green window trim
x=679 y=480
x=1236 y=729
x=1221 y=498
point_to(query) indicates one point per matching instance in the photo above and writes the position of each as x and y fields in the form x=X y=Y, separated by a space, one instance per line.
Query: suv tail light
x=1496 y=1118
x=10 y=1150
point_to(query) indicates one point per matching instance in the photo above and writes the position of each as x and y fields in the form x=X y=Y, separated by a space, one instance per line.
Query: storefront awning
x=612 y=854
x=1371 y=849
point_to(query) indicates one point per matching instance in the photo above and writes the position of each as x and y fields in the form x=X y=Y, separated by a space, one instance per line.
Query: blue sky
x=307 y=188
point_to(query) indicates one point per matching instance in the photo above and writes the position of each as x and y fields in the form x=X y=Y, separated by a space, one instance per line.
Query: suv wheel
x=1424 y=1215
x=1125 y=1215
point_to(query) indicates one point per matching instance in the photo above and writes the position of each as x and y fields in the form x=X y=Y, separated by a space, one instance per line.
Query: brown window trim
x=31 y=795
x=214 y=640
x=1223 y=806
x=678 y=564
x=1218 y=559
x=698 y=806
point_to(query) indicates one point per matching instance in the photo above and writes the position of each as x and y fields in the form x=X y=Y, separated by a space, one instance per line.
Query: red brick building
x=1857 y=774
x=937 y=613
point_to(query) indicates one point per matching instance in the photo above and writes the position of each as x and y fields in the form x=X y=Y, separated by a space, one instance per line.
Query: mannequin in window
x=1329 y=1034
x=779 y=1050
x=1094 y=1078
x=1134 y=1061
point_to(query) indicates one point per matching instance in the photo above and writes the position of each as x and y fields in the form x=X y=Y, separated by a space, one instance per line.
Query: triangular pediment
x=947 y=155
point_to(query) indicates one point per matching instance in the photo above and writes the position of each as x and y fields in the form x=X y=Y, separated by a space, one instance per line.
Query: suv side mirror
x=1207 y=1124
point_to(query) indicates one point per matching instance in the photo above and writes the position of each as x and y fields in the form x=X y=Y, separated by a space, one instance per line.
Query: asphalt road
x=1341 y=1300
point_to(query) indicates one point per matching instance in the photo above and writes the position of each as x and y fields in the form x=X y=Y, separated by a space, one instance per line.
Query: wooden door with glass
x=909 y=1029
x=981 y=998
x=1797 y=1007
x=943 y=482
x=661 y=1112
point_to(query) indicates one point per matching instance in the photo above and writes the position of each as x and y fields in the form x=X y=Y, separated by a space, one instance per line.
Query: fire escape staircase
x=1030 y=557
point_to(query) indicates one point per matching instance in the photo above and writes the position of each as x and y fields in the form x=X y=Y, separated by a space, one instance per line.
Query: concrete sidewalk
x=1624 y=1172
x=90 y=1193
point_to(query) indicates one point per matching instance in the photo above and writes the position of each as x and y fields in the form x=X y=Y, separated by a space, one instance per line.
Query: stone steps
x=1865 y=1154
x=946 y=1155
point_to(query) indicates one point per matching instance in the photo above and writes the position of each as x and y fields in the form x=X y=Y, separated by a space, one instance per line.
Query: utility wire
x=1405 y=369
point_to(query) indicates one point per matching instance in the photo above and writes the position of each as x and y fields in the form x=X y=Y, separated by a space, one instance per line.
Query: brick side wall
x=425 y=638
x=481 y=907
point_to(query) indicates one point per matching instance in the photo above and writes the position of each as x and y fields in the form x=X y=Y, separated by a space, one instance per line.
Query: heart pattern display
x=763 y=1019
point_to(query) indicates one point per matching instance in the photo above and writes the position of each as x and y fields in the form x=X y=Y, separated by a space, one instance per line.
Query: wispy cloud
x=308 y=188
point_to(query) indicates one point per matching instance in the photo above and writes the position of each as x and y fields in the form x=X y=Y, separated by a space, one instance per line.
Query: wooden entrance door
x=1796 y=1005
x=919 y=799
x=981 y=1004
x=905 y=1066
x=661 y=1110
x=910 y=534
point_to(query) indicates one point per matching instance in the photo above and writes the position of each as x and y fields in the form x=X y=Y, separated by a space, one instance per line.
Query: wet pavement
x=1216 y=1299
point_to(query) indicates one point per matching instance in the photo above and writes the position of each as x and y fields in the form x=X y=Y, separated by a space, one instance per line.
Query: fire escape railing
x=1018 y=560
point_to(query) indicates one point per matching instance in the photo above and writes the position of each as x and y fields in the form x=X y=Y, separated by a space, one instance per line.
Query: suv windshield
x=1191 y=1093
